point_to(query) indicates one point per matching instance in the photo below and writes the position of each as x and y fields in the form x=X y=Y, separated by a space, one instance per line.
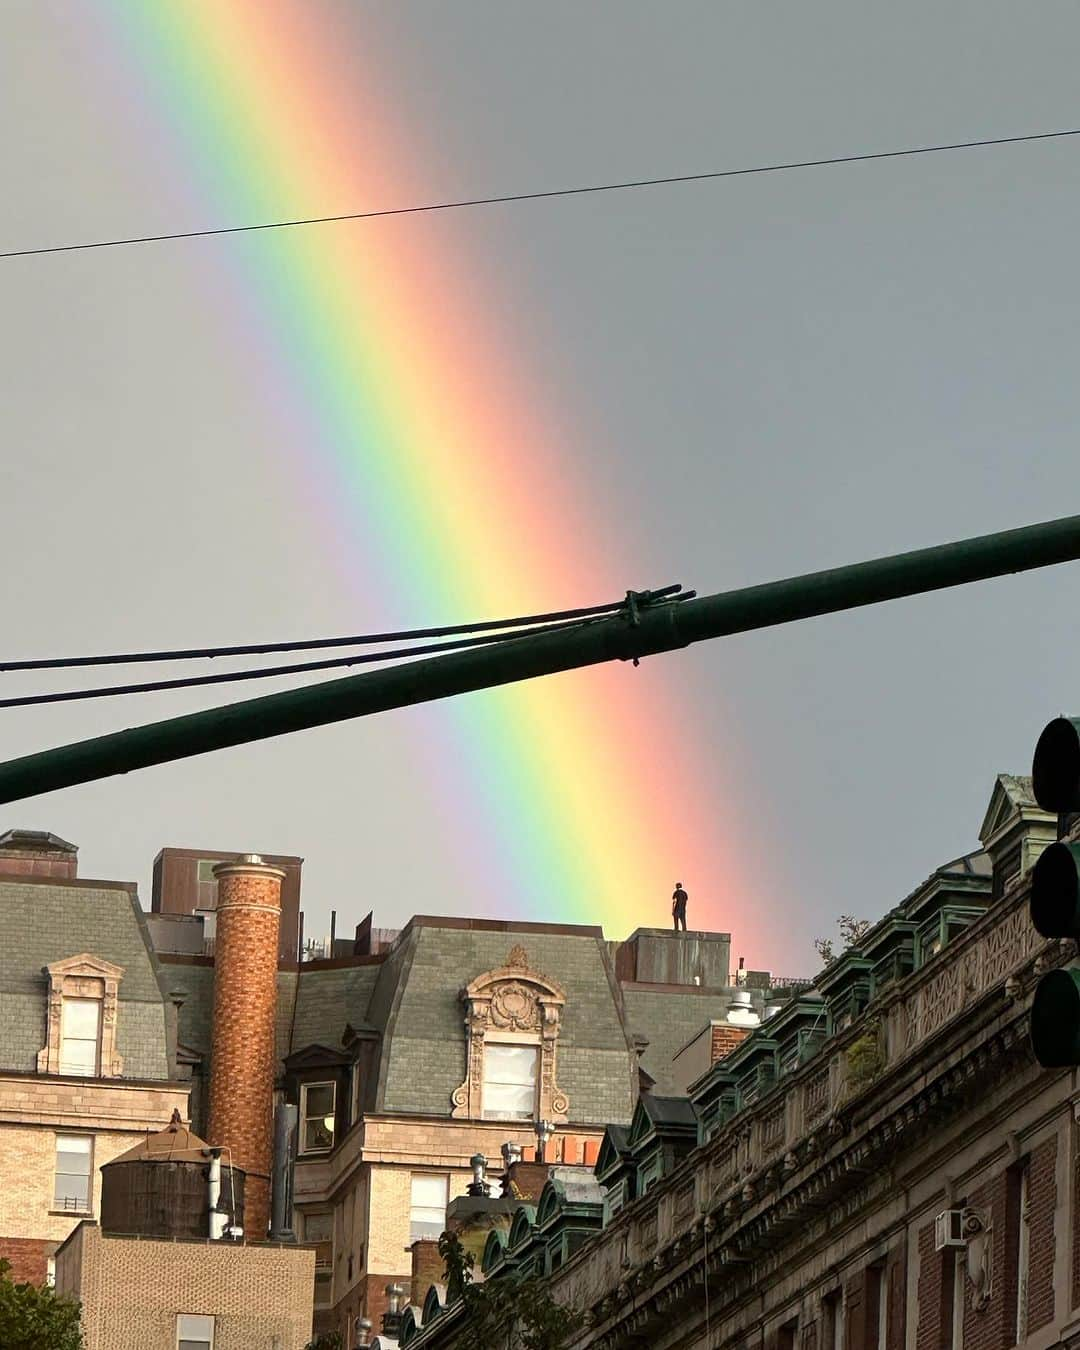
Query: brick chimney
x=36 y=853
x=242 y=1056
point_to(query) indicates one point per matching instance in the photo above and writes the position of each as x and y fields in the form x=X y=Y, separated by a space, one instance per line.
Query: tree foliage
x=32 y=1317
x=506 y=1314
x=329 y=1340
x=852 y=932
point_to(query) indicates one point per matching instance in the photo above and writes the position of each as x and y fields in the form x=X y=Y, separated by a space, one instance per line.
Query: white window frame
x=518 y=1043
x=57 y=1207
x=207 y=1317
x=305 y=1088
x=444 y=1177
x=67 y=1067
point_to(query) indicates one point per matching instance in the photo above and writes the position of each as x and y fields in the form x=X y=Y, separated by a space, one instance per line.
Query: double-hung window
x=80 y=1037
x=510 y=1074
x=318 y=1103
x=427 y=1208
x=74 y=1169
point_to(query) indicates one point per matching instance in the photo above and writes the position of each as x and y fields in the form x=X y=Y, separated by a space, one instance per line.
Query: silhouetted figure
x=678 y=907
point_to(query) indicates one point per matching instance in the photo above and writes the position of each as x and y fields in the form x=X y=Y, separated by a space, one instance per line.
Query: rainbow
x=437 y=468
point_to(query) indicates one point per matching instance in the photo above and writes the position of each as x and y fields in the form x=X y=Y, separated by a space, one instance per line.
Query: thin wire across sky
x=507 y=198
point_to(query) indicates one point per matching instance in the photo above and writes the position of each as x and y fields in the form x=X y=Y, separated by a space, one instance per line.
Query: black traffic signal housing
x=1055 y=895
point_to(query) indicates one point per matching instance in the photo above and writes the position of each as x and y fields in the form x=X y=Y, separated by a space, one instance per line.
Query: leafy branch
x=512 y=1312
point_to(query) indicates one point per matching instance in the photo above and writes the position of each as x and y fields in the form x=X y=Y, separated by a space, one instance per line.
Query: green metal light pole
x=625 y=636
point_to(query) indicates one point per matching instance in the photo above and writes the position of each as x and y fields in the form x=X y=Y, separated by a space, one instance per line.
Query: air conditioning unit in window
x=957 y=1227
x=949 y=1230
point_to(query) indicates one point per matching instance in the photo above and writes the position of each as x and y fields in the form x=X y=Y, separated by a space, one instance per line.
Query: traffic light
x=1055 y=773
x=1055 y=896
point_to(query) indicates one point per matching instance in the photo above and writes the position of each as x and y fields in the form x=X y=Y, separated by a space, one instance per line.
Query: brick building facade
x=138 y=1294
x=810 y=1211
x=88 y=1059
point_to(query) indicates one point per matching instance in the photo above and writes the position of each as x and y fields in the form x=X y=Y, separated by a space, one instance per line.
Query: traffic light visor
x=1055 y=1019
x=1055 y=773
x=1055 y=892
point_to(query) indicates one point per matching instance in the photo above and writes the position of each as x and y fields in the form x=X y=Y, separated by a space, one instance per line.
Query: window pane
x=72 y=1192
x=75 y=1143
x=429 y=1190
x=195 y=1326
x=81 y=1017
x=79 y=1057
x=323 y=1287
x=509 y=1101
x=510 y=1063
x=319 y=1100
x=317 y=1136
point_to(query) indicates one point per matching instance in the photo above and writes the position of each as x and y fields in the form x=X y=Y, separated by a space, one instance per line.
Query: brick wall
x=993 y=1327
x=132 y=1290
x=725 y=1038
x=27 y=1180
x=931 y=1328
x=1042 y=1202
x=428 y=1268
x=28 y=1257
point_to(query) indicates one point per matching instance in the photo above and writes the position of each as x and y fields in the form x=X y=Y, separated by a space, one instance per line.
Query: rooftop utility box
x=661 y=956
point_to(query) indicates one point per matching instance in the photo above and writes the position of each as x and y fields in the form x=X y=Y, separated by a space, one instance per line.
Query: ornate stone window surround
x=83 y=977
x=517 y=1006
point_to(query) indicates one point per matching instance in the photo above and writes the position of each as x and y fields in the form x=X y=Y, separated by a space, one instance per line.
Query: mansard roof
x=46 y=921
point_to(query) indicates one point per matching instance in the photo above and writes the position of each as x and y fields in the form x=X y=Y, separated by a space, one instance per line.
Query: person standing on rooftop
x=678 y=906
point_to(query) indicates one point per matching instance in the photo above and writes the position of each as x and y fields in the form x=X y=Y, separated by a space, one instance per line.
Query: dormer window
x=81 y=1018
x=512 y=1027
x=317 y=1106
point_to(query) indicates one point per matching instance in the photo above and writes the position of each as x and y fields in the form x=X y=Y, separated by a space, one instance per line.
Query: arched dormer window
x=411 y=1322
x=521 y=1228
x=512 y=1029
x=434 y=1302
x=494 y=1251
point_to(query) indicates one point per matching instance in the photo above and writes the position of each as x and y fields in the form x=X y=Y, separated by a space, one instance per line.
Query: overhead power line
x=506 y=198
x=314 y=644
x=567 y=619
x=265 y=672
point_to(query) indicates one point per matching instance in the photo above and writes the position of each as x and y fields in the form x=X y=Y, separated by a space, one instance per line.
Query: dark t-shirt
x=680 y=899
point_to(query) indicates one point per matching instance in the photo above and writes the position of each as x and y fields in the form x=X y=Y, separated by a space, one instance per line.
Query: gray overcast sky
x=782 y=373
